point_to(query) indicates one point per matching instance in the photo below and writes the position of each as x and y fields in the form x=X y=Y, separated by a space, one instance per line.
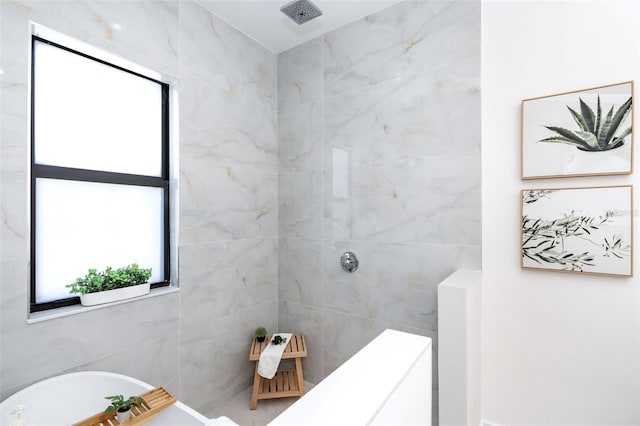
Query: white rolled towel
x=271 y=356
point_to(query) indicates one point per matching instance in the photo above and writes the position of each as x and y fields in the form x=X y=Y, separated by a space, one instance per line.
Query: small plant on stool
x=261 y=333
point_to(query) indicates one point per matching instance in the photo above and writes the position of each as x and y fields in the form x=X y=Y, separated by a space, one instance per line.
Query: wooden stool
x=285 y=383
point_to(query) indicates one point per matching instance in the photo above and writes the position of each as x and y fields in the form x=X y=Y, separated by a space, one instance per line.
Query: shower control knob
x=349 y=262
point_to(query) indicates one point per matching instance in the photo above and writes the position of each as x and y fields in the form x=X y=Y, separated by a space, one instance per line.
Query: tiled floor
x=237 y=408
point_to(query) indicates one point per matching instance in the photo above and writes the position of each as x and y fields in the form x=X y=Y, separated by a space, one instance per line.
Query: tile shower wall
x=29 y=353
x=379 y=154
x=228 y=184
x=195 y=341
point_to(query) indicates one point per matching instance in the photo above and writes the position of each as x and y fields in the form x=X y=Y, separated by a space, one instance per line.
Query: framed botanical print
x=585 y=230
x=581 y=133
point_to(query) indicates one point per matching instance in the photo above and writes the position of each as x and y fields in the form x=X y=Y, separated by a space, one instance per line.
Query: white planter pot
x=122 y=416
x=100 y=297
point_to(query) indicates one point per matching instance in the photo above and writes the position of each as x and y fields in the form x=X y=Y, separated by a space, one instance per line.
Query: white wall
x=558 y=349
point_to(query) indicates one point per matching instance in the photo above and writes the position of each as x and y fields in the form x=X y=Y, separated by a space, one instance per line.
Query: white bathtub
x=69 y=398
x=388 y=382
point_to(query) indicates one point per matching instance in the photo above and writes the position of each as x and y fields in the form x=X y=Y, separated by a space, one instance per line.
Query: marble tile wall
x=379 y=123
x=228 y=202
x=300 y=199
x=29 y=353
x=370 y=135
x=195 y=341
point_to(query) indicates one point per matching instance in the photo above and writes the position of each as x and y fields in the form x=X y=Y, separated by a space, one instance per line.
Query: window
x=99 y=171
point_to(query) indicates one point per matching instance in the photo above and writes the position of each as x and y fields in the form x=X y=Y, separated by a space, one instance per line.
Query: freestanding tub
x=388 y=382
x=69 y=398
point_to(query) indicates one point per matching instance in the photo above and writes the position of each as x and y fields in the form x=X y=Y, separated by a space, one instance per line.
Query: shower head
x=301 y=11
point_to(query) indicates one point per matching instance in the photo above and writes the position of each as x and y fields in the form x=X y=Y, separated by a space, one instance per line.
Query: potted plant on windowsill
x=122 y=406
x=111 y=285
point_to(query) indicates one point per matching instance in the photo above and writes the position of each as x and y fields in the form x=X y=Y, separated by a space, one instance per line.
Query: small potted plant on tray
x=111 y=285
x=261 y=333
x=122 y=406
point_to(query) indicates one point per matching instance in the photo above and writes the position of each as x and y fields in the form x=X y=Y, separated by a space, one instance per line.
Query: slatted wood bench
x=286 y=383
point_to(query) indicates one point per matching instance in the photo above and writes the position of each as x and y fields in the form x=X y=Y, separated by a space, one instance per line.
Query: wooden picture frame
x=581 y=133
x=583 y=230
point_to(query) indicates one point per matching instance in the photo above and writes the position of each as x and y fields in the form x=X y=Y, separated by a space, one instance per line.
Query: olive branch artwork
x=546 y=241
x=595 y=132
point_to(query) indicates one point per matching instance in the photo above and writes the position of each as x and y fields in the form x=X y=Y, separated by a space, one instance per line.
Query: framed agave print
x=583 y=230
x=582 y=133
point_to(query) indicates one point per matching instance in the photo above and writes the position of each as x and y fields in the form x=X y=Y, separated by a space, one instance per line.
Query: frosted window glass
x=92 y=116
x=82 y=225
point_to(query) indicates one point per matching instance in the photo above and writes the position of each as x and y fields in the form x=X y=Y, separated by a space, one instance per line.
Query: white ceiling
x=262 y=20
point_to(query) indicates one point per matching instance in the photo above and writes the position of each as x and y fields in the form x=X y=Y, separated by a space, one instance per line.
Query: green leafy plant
x=260 y=333
x=596 y=133
x=118 y=403
x=110 y=279
x=278 y=340
x=543 y=241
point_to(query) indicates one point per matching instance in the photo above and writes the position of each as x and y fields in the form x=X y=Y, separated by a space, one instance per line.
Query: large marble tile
x=227 y=58
x=15 y=35
x=428 y=114
x=146 y=32
x=433 y=200
x=308 y=320
x=300 y=75
x=300 y=138
x=215 y=356
x=39 y=350
x=14 y=216
x=13 y=151
x=221 y=203
x=395 y=282
x=346 y=334
x=158 y=365
x=14 y=102
x=227 y=145
x=153 y=361
x=221 y=129
x=14 y=245
x=222 y=278
x=403 y=39
x=300 y=271
x=148 y=38
x=14 y=295
x=300 y=204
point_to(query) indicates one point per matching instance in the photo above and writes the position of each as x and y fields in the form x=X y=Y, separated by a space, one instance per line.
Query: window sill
x=37 y=317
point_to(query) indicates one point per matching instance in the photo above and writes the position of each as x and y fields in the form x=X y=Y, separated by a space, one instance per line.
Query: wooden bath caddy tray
x=156 y=400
